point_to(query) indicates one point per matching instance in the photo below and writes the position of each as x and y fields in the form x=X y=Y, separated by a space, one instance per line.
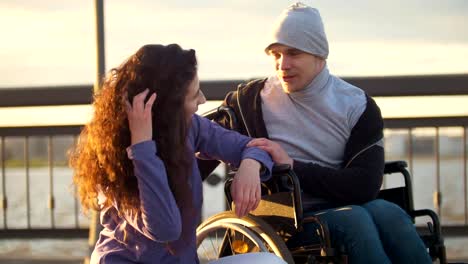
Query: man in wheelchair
x=331 y=134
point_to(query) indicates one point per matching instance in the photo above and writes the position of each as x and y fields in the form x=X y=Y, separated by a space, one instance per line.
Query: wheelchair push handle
x=218 y=112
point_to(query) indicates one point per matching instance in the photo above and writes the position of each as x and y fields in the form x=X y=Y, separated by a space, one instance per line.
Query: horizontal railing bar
x=417 y=85
x=414 y=122
x=51 y=260
x=450 y=231
x=51 y=95
x=410 y=122
x=40 y=130
x=392 y=123
x=70 y=233
x=39 y=233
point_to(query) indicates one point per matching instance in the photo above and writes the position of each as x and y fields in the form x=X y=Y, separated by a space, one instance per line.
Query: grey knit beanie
x=300 y=26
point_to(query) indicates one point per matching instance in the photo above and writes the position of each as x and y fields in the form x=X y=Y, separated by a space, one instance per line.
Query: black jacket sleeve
x=358 y=183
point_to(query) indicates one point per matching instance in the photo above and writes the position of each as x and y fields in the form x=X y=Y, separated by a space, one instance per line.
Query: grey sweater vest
x=314 y=124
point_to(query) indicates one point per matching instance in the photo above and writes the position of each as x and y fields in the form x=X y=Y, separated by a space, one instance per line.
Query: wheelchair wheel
x=225 y=234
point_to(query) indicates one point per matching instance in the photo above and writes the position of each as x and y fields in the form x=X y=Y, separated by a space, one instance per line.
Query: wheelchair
x=279 y=216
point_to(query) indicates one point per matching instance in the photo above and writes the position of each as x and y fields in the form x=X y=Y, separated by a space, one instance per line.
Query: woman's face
x=193 y=98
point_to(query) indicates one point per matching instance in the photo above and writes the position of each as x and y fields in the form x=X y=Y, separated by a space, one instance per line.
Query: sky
x=52 y=42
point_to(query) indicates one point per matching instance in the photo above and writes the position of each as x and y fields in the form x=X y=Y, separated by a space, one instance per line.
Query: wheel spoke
x=217 y=243
x=212 y=245
x=230 y=236
x=204 y=252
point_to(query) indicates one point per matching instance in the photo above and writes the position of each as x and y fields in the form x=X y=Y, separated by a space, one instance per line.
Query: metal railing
x=460 y=228
x=25 y=134
x=216 y=90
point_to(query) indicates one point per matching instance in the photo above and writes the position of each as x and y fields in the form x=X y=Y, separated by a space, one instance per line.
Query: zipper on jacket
x=240 y=111
x=361 y=151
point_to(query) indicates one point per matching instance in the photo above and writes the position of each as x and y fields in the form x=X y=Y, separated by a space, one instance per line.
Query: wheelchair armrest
x=432 y=215
x=281 y=168
x=395 y=166
x=400 y=168
x=435 y=229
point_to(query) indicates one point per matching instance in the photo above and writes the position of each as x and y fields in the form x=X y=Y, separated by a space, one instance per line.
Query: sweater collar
x=314 y=88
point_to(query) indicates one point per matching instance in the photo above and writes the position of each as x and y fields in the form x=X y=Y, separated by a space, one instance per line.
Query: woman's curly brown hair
x=99 y=158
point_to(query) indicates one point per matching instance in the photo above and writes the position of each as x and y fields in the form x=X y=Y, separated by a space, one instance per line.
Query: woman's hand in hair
x=139 y=117
x=246 y=188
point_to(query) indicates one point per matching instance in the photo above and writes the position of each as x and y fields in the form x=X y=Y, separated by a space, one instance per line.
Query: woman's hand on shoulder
x=278 y=154
x=140 y=117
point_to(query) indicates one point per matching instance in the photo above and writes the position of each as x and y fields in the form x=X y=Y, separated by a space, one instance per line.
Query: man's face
x=295 y=68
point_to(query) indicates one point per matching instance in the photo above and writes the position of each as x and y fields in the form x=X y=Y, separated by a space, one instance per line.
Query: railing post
x=437 y=194
x=4 y=201
x=27 y=180
x=100 y=47
x=410 y=151
x=465 y=177
x=50 y=148
x=94 y=225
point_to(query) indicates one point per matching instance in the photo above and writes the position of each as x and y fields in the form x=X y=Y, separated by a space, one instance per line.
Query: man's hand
x=246 y=188
x=139 y=117
x=278 y=154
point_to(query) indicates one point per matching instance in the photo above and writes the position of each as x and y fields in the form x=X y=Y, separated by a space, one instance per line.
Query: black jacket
x=360 y=178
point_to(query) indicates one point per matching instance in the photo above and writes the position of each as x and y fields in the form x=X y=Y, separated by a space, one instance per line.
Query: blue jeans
x=376 y=232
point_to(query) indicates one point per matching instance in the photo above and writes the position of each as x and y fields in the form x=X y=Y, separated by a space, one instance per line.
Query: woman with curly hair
x=134 y=161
